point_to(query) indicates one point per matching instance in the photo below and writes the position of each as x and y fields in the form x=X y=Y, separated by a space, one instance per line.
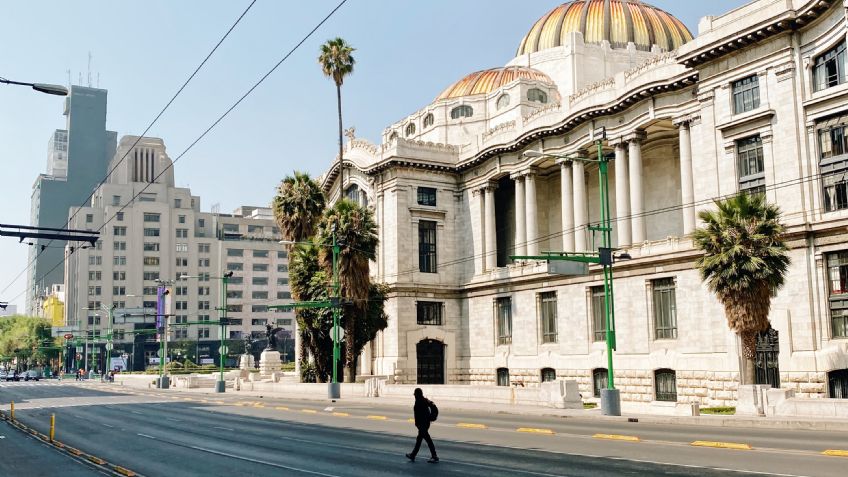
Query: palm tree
x=298 y=206
x=744 y=263
x=336 y=60
x=356 y=231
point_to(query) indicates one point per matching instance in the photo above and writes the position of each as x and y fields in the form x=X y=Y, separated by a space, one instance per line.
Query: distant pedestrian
x=425 y=413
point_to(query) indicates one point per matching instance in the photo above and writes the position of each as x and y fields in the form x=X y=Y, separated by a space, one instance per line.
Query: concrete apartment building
x=153 y=232
x=76 y=162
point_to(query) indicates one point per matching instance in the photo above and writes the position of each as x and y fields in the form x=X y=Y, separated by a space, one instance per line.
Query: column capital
x=489 y=186
x=532 y=170
x=687 y=120
x=636 y=136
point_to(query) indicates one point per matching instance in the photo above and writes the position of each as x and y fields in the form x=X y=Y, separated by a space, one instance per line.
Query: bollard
x=12 y=411
x=52 y=426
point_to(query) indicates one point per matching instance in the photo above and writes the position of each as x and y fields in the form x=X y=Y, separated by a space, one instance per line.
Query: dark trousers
x=425 y=435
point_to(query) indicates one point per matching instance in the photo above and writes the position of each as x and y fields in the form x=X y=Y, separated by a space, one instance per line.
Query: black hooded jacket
x=422 y=413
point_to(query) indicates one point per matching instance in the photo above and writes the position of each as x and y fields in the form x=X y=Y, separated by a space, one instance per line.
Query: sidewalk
x=799 y=423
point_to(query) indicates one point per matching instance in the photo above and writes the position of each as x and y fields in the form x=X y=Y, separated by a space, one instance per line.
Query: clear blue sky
x=407 y=52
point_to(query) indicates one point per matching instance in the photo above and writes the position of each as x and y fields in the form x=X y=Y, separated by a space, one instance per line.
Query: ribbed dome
x=486 y=81
x=617 y=21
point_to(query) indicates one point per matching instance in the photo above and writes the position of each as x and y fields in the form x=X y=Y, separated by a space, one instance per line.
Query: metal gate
x=765 y=360
x=431 y=362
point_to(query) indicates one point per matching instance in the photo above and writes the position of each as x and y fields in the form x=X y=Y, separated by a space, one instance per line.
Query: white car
x=31 y=375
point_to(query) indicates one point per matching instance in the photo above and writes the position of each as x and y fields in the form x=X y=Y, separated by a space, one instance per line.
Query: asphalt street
x=162 y=433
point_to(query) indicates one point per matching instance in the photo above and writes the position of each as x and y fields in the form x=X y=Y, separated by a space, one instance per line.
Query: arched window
x=599 y=381
x=463 y=111
x=838 y=384
x=355 y=194
x=548 y=374
x=536 y=94
x=503 y=377
x=665 y=385
x=393 y=136
x=428 y=120
x=503 y=101
x=410 y=129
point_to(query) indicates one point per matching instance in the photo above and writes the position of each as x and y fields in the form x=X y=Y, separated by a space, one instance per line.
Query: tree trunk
x=341 y=146
x=748 y=371
x=350 y=356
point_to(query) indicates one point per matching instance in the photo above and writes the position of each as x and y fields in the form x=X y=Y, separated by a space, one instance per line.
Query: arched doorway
x=431 y=362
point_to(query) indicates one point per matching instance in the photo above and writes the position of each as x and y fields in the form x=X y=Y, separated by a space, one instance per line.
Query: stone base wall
x=806 y=385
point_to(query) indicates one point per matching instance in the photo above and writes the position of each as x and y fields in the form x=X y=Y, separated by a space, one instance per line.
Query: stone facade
x=681 y=131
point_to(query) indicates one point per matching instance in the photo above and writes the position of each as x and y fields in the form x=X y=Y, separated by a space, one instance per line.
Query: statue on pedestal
x=271 y=334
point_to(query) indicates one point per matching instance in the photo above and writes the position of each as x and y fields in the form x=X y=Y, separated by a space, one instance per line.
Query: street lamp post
x=162 y=320
x=56 y=89
x=610 y=397
x=220 y=385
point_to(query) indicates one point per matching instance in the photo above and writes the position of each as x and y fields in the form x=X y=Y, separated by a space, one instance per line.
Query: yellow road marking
x=469 y=425
x=341 y=414
x=616 y=437
x=410 y=420
x=188 y=399
x=310 y=411
x=203 y=400
x=124 y=471
x=378 y=418
x=836 y=452
x=722 y=445
x=533 y=430
x=281 y=408
x=259 y=405
x=96 y=460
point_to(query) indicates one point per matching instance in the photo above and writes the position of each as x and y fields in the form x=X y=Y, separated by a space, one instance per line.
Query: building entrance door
x=431 y=362
x=766 y=370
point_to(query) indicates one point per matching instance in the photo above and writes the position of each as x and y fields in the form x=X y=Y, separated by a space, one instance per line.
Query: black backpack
x=434 y=411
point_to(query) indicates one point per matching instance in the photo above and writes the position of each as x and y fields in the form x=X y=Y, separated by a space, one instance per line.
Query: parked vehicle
x=31 y=375
x=12 y=376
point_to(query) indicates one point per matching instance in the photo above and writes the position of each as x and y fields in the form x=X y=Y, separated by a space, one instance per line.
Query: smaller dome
x=486 y=81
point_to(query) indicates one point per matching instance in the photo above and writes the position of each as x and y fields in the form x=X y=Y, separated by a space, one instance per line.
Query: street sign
x=563 y=267
x=160 y=352
x=341 y=334
x=109 y=346
x=224 y=349
x=69 y=336
x=134 y=315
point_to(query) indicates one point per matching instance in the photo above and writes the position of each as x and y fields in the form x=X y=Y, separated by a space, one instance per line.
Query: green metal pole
x=607 y=243
x=108 y=342
x=224 y=281
x=162 y=331
x=335 y=309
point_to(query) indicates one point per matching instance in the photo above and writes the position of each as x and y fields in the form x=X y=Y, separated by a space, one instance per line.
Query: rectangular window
x=503 y=376
x=259 y=295
x=665 y=308
x=234 y=308
x=89 y=218
x=116 y=200
x=147 y=197
x=833 y=164
x=119 y=231
x=203 y=248
x=237 y=294
x=150 y=217
x=255 y=229
x=201 y=223
x=259 y=309
x=282 y=281
x=283 y=295
x=284 y=321
x=260 y=267
x=746 y=94
x=260 y=254
x=182 y=262
x=260 y=280
x=236 y=280
x=153 y=261
x=117 y=291
x=181 y=305
x=180 y=333
x=203 y=332
x=829 y=68
x=258 y=322
x=178 y=203
x=149 y=290
x=119 y=245
x=181 y=291
x=237 y=267
x=427 y=196
x=151 y=232
x=203 y=291
x=182 y=233
x=235 y=252
x=429 y=312
x=151 y=275
x=546 y=304
x=751 y=170
x=599 y=314
x=119 y=216
x=149 y=304
x=119 y=260
x=119 y=276
x=282 y=268
x=151 y=247
x=94 y=276
x=203 y=305
x=282 y=254
x=427 y=246
x=665 y=383
x=837 y=272
x=503 y=317
x=203 y=262
x=182 y=247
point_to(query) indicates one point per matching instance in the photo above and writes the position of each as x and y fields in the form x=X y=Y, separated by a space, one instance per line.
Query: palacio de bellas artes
x=504 y=163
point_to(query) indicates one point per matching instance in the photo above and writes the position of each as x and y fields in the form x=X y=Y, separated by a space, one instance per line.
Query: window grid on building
x=833 y=163
x=503 y=376
x=837 y=269
x=428 y=120
x=829 y=68
x=548 y=374
x=429 y=312
x=546 y=304
x=503 y=317
x=750 y=163
x=599 y=315
x=537 y=95
x=462 y=111
x=665 y=385
x=599 y=381
x=665 y=308
x=427 y=196
x=746 y=94
x=427 y=246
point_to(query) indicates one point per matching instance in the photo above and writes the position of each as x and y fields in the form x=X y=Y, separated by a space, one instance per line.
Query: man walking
x=425 y=412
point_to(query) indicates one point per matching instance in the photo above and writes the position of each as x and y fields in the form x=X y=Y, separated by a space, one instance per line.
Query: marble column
x=532 y=213
x=637 y=197
x=490 y=230
x=566 y=188
x=687 y=188
x=520 y=218
x=581 y=219
x=478 y=233
x=622 y=196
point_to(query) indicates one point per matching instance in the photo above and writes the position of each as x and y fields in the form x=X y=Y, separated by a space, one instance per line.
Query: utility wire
x=208 y=129
x=149 y=126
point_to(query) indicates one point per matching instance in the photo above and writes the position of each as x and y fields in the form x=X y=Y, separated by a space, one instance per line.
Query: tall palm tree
x=297 y=207
x=336 y=60
x=356 y=232
x=744 y=263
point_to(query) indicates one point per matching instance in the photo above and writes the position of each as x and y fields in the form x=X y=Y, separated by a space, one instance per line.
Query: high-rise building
x=154 y=234
x=76 y=163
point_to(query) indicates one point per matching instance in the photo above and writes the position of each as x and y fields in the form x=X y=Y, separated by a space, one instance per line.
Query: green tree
x=298 y=207
x=26 y=338
x=356 y=232
x=336 y=60
x=744 y=263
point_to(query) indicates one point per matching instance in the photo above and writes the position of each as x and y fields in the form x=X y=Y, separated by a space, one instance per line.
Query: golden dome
x=486 y=81
x=616 y=21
